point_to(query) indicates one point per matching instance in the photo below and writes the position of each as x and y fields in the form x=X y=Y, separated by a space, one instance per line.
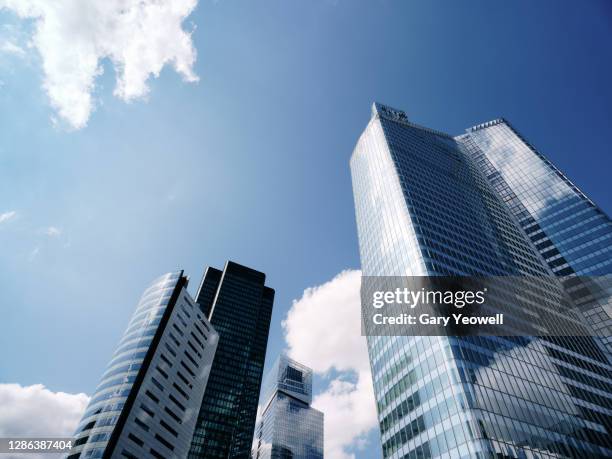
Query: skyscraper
x=239 y=306
x=289 y=427
x=147 y=402
x=425 y=206
x=569 y=230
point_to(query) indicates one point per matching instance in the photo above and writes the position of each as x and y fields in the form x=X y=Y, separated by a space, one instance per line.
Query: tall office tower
x=239 y=306
x=148 y=400
x=424 y=207
x=572 y=234
x=289 y=427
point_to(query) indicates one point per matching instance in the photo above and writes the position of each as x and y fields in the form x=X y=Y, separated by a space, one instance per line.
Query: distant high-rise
x=239 y=306
x=289 y=427
x=429 y=204
x=147 y=402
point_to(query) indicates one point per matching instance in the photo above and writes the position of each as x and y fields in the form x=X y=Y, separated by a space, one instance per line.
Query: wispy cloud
x=6 y=216
x=323 y=331
x=34 y=253
x=53 y=231
x=139 y=37
x=9 y=47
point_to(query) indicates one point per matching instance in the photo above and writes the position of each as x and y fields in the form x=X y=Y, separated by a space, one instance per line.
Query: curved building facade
x=147 y=401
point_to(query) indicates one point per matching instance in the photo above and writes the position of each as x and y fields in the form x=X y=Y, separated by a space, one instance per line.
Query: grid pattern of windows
x=288 y=427
x=239 y=306
x=424 y=207
x=571 y=233
x=144 y=392
x=290 y=377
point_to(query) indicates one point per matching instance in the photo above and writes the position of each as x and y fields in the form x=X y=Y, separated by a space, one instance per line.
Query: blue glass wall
x=424 y=207
x=571 y=233
x=289 y=427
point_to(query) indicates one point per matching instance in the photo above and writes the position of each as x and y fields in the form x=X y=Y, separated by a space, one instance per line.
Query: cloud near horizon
x=323 y=331
x=35 y=411
x=139 y=37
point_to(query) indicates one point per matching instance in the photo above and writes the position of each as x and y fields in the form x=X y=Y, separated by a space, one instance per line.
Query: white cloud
x=323 y=328
x=323 y=331
x=518 y=167
x=139 y=37
x=8 y=47
x=52 y=231
x=6 y=216
x=37 y=411
x=350 y=415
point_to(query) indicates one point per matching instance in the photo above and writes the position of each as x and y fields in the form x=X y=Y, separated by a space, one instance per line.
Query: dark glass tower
x=239 y=305
x=429 y=204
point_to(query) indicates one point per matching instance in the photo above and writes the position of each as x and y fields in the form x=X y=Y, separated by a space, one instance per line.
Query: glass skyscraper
x=426 y=205
x=238 y=304
x=289 y=428
x=571 y=233
x=147 y=402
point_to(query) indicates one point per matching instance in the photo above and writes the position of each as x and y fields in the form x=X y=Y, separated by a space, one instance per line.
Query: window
x=152 y=397
x=166 y=426
x=187 y=368
x=173 y=415
x=165 y=359
x=164 y=442
x=147 y=410
x=89 y=425
x=141 y=424
x=185 y=380
x=180 y=332
x=162 y=372
x=191 y=359
x=135 y=439
x=170 y=350
x=181 y=391
x=194 y=349
x=157 y=384
x=177 y=403
x=81 y=440
x=196 y=339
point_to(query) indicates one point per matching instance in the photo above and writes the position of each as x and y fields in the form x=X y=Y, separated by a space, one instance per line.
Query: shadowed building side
x=239 y=305
x=147 y=402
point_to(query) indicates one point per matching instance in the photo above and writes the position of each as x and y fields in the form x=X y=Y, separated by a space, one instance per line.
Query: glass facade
x=289 y=427
x=239 y=306
x=149 y=396
x=425 y=207
x=571 y=233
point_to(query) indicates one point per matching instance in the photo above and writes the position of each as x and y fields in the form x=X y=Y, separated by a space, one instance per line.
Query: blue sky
x=251 y=162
